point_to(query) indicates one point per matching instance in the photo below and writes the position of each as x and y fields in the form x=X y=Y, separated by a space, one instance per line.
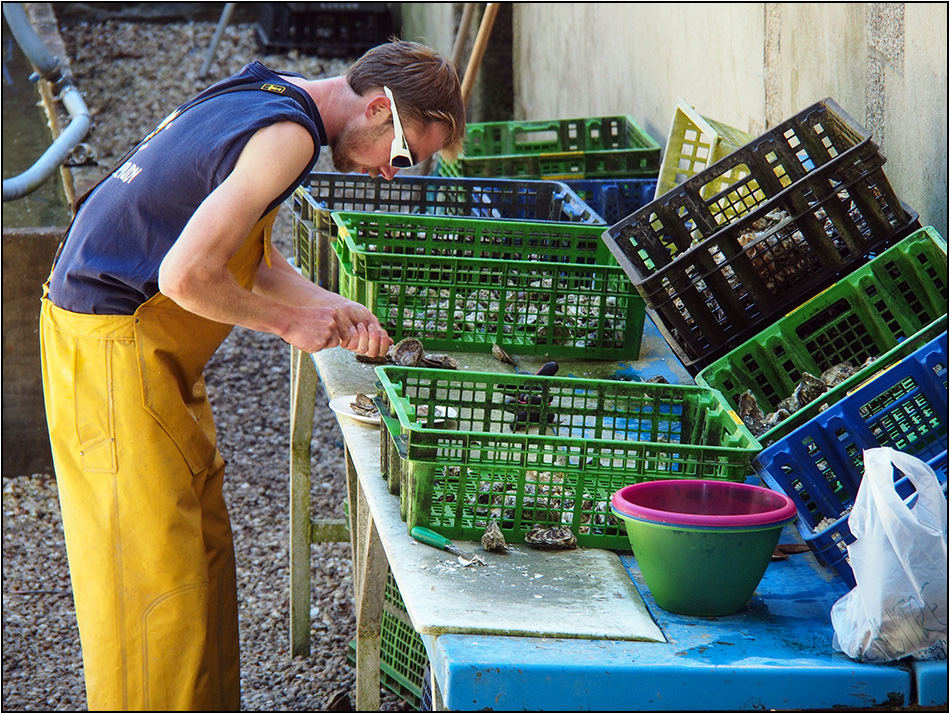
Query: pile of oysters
x=806 y=391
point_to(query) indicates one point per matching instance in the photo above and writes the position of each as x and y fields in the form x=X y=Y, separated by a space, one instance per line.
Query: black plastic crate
x=725 y=254
x=327 y=29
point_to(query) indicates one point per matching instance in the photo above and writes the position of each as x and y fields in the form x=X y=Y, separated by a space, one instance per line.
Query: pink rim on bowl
x=702 y=503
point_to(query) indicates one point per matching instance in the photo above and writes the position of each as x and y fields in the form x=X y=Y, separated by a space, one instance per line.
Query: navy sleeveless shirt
x=109 y=263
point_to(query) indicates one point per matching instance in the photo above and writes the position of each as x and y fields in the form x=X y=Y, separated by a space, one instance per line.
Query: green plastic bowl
x=702 y=546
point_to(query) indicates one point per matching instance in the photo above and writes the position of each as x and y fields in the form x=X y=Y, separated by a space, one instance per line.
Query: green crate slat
x=323 y=193
x=462 y=284
x=593 y=147
x=882 y=312
x=492 y=461
x=402 y=654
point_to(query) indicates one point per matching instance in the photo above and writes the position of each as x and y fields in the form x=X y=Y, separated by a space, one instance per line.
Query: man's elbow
x=181 y=286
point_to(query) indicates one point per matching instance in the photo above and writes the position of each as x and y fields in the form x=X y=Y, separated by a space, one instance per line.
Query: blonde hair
x=425 y=84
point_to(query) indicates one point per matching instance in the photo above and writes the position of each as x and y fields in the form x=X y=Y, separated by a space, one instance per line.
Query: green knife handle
x=429 y=537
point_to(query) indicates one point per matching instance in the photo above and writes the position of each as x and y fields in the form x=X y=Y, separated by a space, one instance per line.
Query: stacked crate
x=729 y=251
x=694 y=144
x=404 y=246
x=774 y=267
x=328 y=29
x=465 y=284
x=323 y=193
x=463 y=449
x=610 y=162
x=402 y=654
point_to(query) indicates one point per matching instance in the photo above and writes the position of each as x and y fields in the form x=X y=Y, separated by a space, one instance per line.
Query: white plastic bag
x=899 y=606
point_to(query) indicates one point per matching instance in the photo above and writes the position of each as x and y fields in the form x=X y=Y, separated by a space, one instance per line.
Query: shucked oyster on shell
x=406 y=353
x=410 y=353
x=364 y=405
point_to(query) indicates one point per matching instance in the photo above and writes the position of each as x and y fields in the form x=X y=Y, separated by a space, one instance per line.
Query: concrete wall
x=27 y=256
x=749 y=65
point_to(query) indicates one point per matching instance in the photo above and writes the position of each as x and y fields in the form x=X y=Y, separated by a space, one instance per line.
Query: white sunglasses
x=399 y=156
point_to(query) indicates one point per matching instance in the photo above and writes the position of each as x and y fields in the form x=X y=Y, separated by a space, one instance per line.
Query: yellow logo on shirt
x=276 y=88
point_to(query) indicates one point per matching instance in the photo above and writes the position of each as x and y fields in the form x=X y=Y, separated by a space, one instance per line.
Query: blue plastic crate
x=614 y=199
x=820 y=465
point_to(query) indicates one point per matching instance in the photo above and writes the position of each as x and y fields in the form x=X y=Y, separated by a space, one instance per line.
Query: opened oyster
x=364 y=406
x=406 y=353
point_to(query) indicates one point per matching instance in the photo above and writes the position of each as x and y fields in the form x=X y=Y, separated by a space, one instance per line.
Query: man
x=164 y=256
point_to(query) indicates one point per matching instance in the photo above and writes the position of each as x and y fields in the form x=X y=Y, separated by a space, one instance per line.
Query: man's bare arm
x=194 y=272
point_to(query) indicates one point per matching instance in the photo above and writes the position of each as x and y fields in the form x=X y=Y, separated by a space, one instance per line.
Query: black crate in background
x=327 y=29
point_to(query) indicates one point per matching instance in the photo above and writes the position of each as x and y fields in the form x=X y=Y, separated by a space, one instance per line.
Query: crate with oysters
x=534 y=452
x=814 y=356
x=733 y=248
x=462 y=284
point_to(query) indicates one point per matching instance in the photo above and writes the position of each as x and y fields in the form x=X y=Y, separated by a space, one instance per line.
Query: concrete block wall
x=749 y=65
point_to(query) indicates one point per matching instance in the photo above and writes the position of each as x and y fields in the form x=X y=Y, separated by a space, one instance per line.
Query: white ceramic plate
x=341 y=405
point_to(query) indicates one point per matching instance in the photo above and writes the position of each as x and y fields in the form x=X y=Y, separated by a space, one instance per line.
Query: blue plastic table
x=776 y=654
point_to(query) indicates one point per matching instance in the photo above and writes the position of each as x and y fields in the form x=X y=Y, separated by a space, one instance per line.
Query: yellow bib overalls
x=151 y=556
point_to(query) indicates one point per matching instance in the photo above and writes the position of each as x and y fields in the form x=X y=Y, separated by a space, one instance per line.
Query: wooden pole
x=478 y=51
x=466 y=22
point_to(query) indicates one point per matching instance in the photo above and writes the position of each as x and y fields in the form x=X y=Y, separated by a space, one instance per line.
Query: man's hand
x=337 y=322
x=360 y=331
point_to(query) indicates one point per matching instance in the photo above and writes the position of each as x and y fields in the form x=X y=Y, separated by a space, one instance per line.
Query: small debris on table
x=783 y=550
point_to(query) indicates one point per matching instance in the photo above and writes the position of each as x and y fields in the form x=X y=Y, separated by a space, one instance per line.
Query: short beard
x=348 y=143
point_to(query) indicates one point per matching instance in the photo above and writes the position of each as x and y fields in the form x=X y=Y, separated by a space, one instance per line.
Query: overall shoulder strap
x=287 y=90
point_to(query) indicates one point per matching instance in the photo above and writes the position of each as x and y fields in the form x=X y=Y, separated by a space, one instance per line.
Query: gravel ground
x=132 y=75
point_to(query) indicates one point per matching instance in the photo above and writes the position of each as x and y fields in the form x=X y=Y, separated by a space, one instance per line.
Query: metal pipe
x=222 y=23
x=80 y=120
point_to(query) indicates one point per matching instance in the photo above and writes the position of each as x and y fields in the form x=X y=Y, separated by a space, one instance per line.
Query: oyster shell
x=553 y=538
x=493 y=540
x=499 y=354
x=406 y=353
x=835 y=375
x=751 y=414
x=439 y=361
x=364 y=406
x=809 y=389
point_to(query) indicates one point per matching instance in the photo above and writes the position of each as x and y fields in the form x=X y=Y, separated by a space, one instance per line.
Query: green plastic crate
x=694 y=144
x=883 y=311
x=323 y=193
x=558 y=149
x=462 y=284
x=490 y=458
x=402 y=654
